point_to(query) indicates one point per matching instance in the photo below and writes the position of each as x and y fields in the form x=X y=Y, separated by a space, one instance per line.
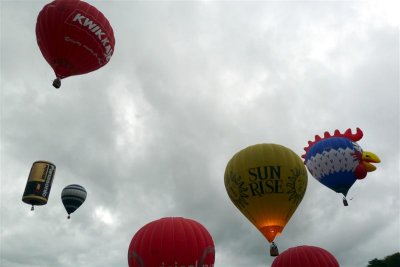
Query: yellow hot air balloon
x=266 y=182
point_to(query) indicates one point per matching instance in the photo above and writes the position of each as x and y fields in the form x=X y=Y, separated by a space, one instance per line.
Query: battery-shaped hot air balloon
x=266 y=182
x=38 y=186
x=73 y=196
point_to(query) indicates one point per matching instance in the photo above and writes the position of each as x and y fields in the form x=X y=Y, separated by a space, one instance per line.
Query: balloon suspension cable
x=273 y=250
x=345 y=203
x=32 y=208
x=57 y=83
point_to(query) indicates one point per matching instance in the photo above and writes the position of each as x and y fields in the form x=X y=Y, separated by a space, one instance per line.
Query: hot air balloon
x=72 y=197
x=266 y=182
x=38 y=186
x=74 y=38
x=337 y=161
x=305 y=256
x=172 y=241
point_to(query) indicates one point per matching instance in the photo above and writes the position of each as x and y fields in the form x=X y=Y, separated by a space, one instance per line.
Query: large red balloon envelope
x=305 y=256
x=74 y=38
x=173 y=241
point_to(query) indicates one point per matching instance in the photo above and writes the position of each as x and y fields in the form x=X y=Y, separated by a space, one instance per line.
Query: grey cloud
x=190 y=84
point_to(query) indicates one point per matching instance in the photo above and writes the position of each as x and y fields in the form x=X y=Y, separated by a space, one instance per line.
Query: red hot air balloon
x=305 y=256
x=172 y=241
x=74 y=38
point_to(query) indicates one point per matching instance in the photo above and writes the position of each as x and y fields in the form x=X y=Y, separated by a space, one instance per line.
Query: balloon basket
x=273 y=250
x=57 y=83
x=345 y=203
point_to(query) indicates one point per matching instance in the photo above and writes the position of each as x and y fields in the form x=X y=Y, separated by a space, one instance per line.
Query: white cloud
x=104 y=215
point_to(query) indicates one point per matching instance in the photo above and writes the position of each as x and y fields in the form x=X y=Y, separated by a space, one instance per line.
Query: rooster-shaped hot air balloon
x=337 y=161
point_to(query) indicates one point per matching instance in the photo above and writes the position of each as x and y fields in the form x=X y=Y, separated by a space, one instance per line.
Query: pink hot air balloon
x=173 y=241
x=305 y=256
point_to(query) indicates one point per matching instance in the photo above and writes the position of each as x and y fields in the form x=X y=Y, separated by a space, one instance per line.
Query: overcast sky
x=190 y=84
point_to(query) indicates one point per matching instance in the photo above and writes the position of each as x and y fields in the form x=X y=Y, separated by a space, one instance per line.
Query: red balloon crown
x=347 y=134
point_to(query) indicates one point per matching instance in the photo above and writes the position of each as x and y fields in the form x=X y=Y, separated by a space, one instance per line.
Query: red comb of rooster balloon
x=347 y=134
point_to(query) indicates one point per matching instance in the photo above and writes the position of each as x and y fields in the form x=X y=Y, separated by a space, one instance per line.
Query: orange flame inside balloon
x=271 y=231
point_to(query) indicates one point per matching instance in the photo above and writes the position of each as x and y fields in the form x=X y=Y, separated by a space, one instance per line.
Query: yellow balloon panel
x=266 y=182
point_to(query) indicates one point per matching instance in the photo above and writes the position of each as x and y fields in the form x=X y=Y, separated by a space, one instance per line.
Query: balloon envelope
x=173 y=241
x=38 y=186
x=266 y=182
x=337 y=161
x=305 y=256
x=73 y=196
x=74 y=37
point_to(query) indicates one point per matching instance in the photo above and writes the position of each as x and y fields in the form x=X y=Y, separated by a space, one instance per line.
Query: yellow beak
x=367 y=158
